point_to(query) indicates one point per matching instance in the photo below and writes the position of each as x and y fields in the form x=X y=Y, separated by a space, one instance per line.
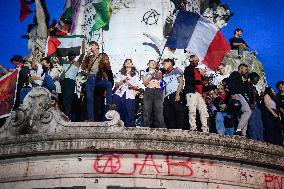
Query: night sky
x=261 y=20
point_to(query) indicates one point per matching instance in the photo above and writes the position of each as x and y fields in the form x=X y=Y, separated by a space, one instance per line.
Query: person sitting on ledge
x=237 y=43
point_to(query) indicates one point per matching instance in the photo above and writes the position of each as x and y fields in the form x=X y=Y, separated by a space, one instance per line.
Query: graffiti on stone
x=273 y=181
x=185 y=167
x=144 y=164
x=151 y=17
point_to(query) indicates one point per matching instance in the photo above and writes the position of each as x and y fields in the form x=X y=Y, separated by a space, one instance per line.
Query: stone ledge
x=78 y=139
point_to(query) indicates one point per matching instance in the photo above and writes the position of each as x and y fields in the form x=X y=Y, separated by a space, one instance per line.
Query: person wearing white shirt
x=221 y=75
x=126 y=85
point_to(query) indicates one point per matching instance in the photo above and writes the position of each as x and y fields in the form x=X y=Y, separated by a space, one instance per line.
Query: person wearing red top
x=193 y=90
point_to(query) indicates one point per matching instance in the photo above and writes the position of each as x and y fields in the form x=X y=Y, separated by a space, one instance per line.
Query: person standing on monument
x=126 y=87
x=153 y=97
x=237 y=88
x=91 y=68
x=193 y=90
x=173 y=86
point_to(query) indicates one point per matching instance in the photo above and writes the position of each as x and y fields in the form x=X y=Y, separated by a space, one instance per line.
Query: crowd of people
x=165 y=96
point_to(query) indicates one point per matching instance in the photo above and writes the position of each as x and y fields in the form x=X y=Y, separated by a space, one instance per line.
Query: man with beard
x=237 y=89
x=193 y=89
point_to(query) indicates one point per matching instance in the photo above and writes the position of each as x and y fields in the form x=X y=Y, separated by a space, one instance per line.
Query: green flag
x=67 y=15
x=103 y=14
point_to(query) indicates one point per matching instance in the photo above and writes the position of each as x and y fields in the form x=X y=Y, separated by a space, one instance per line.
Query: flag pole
x=161 y=54
x=103 y=41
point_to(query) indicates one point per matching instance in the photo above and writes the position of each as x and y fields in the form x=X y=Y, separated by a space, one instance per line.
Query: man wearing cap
x=193 y=91
x=24 y=72
x=173 y=106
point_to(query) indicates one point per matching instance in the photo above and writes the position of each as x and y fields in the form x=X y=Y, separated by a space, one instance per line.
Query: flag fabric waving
x=8 y=85
x=63 y=45
x=25 y=10
x=103 y=14
x=197 y=35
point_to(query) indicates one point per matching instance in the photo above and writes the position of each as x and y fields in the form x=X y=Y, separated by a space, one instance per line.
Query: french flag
x=199 y=36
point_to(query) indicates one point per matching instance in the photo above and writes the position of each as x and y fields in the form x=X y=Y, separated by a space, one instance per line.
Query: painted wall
x=99 y=171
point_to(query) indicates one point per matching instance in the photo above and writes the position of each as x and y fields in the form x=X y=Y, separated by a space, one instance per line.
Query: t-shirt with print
x=171 y=81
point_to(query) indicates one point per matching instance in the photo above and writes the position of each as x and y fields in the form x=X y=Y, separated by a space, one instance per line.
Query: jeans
x=173 y=112
x=153 y=108
x=220 y=124
x=126 y=109
x=91 y=83
x=68 y=89
x=255 y=125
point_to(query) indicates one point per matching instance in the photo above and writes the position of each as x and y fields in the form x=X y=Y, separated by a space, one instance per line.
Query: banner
x=63 y=45
x=8 y=85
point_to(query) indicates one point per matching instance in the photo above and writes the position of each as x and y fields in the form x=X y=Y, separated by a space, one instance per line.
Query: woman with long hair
x=126 y=85
x=271 y=119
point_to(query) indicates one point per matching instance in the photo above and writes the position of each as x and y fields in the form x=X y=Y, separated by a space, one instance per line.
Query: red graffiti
x=107 y=164
x=116 y=164
x=150 y=162
x=184 y=164
x=273 y=181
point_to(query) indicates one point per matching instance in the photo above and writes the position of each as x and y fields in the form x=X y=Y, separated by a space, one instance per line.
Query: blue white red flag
x=197 y=35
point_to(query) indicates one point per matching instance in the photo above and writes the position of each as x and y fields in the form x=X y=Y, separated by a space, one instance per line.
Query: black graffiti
x=151 y=17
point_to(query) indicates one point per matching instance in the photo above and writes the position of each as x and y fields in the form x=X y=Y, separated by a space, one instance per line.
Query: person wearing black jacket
x=193 y=91
x=24 y=72
x=237 y=89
